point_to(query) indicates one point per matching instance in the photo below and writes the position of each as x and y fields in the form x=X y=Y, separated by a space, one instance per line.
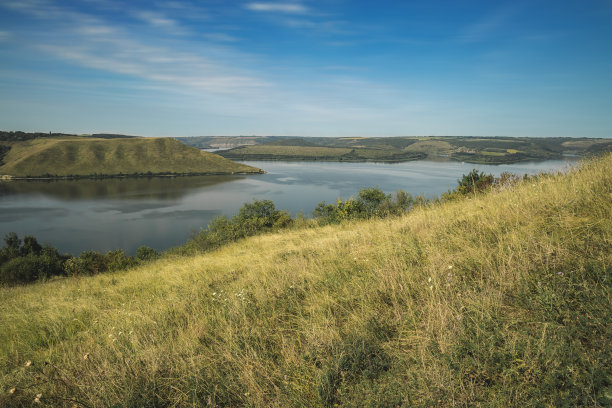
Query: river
x=78 y=215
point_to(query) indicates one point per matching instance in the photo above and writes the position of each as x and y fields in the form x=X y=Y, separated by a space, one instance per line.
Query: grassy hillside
x=483 y=150
x=498 y=300
x=83 y=156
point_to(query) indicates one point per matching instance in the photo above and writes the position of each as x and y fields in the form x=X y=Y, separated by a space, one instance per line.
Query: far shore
x=8 y=177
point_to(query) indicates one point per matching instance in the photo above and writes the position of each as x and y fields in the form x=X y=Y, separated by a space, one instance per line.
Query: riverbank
x=469 y=149
x=7 y=177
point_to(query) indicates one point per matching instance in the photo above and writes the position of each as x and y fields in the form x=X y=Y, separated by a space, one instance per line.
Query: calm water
x=162 y=212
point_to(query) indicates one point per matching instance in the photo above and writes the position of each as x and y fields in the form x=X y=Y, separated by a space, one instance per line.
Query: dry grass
x=499 y=300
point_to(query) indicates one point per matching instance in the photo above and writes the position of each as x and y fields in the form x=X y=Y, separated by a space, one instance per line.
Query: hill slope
x=84 y=156
x=498 y=300
x=484 y=150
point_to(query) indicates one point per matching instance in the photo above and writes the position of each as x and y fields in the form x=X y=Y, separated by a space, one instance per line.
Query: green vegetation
x=253 y=218
x=81 y=156
x=482 y=150
x=227 y=142
x=495 y=298
x=28 y=261
x=370 y=202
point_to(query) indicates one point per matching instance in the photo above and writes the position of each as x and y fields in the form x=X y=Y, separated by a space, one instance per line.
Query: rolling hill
x=482 y=150
x=78 y=156
x=495 y=300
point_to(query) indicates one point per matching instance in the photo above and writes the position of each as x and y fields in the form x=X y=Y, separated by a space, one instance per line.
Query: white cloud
x=92 y=42
x=289 y=8
x=4 y=36
x=156 y=19
x=158 y=64
x=181 y=74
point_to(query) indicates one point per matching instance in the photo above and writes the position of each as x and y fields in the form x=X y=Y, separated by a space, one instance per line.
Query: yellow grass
x=452 y=301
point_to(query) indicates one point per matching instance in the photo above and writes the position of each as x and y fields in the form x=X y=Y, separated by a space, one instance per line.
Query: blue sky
x=319 y=68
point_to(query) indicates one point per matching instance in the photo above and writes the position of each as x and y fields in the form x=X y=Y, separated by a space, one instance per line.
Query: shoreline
x=389 y=161
x=8 y=177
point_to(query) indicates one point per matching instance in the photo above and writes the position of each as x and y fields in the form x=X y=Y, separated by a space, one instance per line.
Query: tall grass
x=498 y=300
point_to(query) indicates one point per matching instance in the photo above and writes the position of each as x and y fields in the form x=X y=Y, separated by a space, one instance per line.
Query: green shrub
x=30 y=246
x=253 y=218
x=117 y=260
x=91 y=263
x=260 y=215
x=474 y=182
x=28 y=262
x=342 y=210
x=21 y=269
x=370 y=202
x=12 y=246
x=145 y=254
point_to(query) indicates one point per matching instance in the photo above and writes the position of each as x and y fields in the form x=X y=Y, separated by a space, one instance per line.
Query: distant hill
x=82 y=156
x=227 y=142
x=483 y=150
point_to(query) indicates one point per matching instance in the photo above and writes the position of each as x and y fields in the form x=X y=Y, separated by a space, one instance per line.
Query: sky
x=307 y=67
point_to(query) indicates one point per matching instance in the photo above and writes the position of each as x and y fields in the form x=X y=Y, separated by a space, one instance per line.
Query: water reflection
x=140 y=188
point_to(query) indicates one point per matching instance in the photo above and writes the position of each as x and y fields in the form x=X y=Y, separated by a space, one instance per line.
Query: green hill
x=482 y=150
x=70 y=156
x=498 y=300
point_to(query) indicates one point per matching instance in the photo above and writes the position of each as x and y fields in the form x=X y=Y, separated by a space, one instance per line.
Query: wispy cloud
x=297 y=16
x=327 y=27
x=486 y=27
x=288 y=8
x=156 y=19
x=4 y=36
x=220 y=37
x=160 y=21
x=94 y=30
x=89 y=41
